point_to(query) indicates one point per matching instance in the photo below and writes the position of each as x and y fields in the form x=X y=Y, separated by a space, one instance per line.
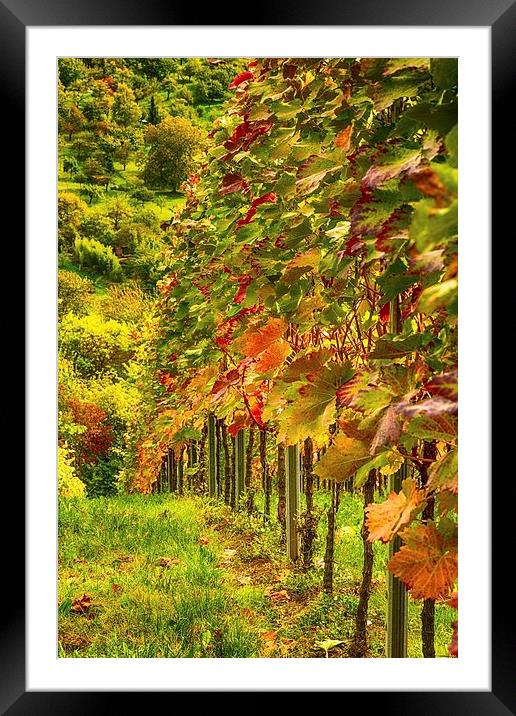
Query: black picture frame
x=500 y=16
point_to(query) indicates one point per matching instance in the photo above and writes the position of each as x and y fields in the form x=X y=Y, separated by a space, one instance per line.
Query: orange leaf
x=281 y=596
x=241 y=420
x=427 y=563
x=453 y=601
x=386 y=519
x=343 y=138
x=269 y=635
x=273 y=356
x=257 y=339
x=82 y=604
x=168 y=561
x=204 y=540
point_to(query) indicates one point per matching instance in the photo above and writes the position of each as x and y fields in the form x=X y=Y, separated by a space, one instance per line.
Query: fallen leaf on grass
x=286 y=645
x=204 y=540
x=269 y=635
x=328 y=644
x=116 y=588
x=81 y=605
x=168 y=561
x=248 y=613
x=269 y=643
x=281 y=596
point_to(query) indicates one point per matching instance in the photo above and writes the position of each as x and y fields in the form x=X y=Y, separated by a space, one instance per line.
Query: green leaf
x=432 y=226
x=444 y=71
x=394 y=346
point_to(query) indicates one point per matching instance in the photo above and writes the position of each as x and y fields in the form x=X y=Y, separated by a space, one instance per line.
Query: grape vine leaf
x=427 y=563
x=443 y=474
x=342 y=459
x=384 y=520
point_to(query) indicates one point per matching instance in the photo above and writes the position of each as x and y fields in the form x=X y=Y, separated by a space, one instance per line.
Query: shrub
x=101 y=478
x=144 y=263
x=92 y=254
x=68 y=484
x=99 y=227
x=93 y=345
x=94 y=442
x=73 y=293
x=70 y=213
x=127 y=303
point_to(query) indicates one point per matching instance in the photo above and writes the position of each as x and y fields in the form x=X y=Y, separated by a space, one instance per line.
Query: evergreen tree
x=153 y=116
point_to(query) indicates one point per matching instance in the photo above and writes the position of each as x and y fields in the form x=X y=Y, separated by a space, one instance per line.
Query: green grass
x=156 y=590
x=159 y=591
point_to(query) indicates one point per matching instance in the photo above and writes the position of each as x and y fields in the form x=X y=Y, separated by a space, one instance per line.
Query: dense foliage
x=312 y=287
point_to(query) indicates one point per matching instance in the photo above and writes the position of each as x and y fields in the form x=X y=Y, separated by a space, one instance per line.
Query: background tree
x=173 y=144
x=71 y=211
x=153 y=116
x=125 y=110
x=71 y=120
x=70 y=70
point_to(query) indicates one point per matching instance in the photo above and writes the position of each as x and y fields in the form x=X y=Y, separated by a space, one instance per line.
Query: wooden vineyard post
x=180 y=473
x=397 y=602
x=293 y=487
x=212 y=457
x=239 y=465
x=172 y=471
x=192 y=460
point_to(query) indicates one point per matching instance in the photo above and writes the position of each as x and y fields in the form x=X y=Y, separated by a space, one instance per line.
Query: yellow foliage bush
x=68 y=484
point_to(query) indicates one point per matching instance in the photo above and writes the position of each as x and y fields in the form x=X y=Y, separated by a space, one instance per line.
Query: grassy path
x=160 y=576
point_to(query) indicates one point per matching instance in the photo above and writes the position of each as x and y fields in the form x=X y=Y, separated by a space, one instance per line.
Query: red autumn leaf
x=244 y=282
x=270 y=197
x=244 y=135
x=427 y=563
x=385 y=312
x=266 y=198
x=247 y=218
x=232 y=183
x=222 y=385
x=255 y=407
x=242 y=77
x=351 y=247
x=384 y=520
x=241 y=420
x=82 y=604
